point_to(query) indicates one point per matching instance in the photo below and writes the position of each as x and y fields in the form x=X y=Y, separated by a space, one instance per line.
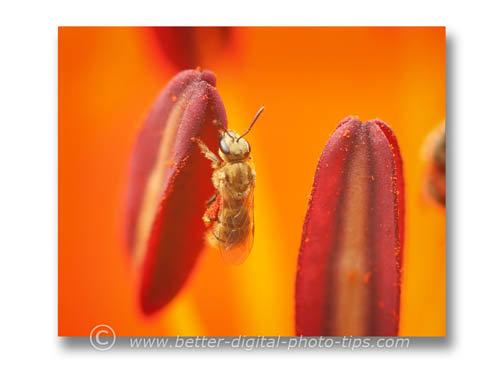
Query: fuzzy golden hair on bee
x=230 y=212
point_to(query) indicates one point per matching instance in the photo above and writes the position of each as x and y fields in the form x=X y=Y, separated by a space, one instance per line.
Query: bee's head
x=233 y=147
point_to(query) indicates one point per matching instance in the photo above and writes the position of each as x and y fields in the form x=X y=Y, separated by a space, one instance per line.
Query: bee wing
x=240 y=238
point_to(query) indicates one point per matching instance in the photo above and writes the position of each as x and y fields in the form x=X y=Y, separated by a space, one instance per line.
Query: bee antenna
x=222 y=128
x=252 y=124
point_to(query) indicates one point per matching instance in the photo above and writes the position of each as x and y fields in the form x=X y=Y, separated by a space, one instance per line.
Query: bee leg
x=216 y=162
x=210 y=200
x=213 y=207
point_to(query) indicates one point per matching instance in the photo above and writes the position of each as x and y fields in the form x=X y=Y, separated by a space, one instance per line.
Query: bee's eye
x=249 y=148
x=223 y=146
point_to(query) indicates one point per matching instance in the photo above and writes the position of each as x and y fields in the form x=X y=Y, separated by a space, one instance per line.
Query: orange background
x=308 y=79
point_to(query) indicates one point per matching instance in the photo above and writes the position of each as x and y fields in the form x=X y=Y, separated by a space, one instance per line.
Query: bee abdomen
x=229 y=235
x=233 y=227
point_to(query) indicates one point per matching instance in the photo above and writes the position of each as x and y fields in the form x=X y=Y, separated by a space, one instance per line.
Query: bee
x=230 y=211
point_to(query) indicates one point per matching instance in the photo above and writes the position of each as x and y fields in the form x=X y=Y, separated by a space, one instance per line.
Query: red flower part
x=169 y=183
x=434 y=149
x=185 y=47
x=349 y=266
